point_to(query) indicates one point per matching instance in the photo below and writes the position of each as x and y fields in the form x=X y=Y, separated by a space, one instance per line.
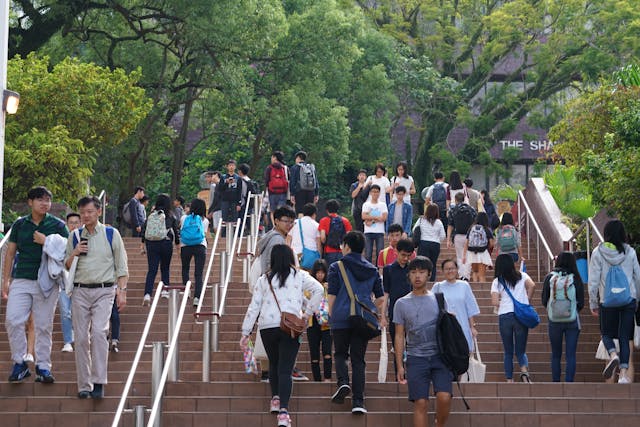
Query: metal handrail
x=595 y=229
x=208 y=273
x=219 y=311
x=170 y=355
x=539 y=235
x=257 y=212
x=103 y=197
x=136 y=358
x=244 y=221
x=5 y=238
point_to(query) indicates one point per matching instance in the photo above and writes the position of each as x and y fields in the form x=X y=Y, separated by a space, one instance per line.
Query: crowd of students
x=320 y=271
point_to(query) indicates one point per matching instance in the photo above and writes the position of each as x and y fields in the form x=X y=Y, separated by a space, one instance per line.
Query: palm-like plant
x=571 y=195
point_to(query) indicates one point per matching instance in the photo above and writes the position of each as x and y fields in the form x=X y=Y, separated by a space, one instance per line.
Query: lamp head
x=10 y=101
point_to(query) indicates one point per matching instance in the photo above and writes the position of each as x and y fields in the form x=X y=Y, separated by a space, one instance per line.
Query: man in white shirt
x=305 y=234
x=374 y=214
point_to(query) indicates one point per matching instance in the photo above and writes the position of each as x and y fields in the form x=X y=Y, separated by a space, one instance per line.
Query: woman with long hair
x=475 y=253
x=490 y=209
x=159 y=248
x=280 y=290
x=456 y=186
x=431 y=235
x=402 y=179
x=195 y=222
x=614 y=264
x=564 y=284
x=508 y=238
x=514 y=334
x=320 y=334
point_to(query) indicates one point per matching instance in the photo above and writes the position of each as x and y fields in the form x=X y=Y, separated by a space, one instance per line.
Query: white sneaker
x=284 y=420
x=274 y=405
x=165 y=294
x=28 y=358
x=624 y=380
x=146 y=300
x=68 y=348
x=196 y=301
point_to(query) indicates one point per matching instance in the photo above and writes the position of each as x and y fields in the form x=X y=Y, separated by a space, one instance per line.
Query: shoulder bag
x=362 y=319
x=290 y=324
x=525 y=313
x=309 y=256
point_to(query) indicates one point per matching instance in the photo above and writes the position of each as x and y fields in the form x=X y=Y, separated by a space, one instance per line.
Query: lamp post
x=8 y=97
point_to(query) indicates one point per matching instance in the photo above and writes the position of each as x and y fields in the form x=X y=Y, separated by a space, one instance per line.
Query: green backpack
x=562 y=304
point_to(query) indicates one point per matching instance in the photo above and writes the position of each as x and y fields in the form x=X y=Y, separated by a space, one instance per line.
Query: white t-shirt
x=405 y=182
x=205 y=223
x=519 y=292
x=309 y=233
x=377 y=210
x=383 y=182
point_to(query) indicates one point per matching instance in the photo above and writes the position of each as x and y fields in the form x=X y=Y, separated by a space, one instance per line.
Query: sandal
x=524 y=377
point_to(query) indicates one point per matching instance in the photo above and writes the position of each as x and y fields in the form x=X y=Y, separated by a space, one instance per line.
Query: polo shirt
x=395 y=281
x=30 y=253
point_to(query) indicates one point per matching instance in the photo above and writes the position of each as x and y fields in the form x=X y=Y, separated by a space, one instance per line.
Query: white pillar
x=4 y=48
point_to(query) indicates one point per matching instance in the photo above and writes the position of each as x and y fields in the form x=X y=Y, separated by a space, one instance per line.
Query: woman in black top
x=159 y=248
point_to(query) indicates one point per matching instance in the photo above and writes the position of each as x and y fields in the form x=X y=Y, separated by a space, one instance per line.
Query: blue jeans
x=64 y=305
x=158 y=253
x=570 y=331
x=514 y=339
x=369 y=240
x=618 y=323
x=332 y=257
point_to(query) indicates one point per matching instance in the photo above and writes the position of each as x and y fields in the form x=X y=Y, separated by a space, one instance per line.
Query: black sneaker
x=44 y=376
x=342 y=392
x=98 y=391
x=20 y=372
x=84 y=394
x=358 y=408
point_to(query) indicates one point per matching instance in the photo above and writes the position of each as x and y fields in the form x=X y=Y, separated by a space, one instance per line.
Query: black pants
x=316 y=337
x=432 y=251
x=347 y=345
x=282 y=351
x=302 y=198
x=199 y=254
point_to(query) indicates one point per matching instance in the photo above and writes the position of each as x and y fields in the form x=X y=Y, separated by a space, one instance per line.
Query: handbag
x=525 y=313
x=322 y=314
x=309 y=256
x=290 y=324
x=250 y=364
x=477 y=370
x=417 y=233
x=362 y=319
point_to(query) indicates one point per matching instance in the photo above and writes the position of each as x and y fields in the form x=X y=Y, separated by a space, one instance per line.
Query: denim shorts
x=423 y=371
x=277 y=200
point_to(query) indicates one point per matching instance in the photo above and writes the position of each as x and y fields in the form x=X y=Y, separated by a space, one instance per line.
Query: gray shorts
x=277 y=200
x=423 y=371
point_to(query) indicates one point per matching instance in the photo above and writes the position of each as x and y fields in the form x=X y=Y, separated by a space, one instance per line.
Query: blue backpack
x=192 y=231
x=616 y=288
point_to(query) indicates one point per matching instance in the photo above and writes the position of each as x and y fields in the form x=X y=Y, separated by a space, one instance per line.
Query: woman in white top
x=431 y=234
x=380 y=180
x=513 y=333
x=403 y=179
x=191 y=249
x=456 y=186
x=288 y=285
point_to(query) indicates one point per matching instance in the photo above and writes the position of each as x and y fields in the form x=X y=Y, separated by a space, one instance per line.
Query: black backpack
x=463 y=216
x=336 y=232
x=452 y=344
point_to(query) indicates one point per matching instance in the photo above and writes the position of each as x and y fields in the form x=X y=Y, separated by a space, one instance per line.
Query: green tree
x=67 y=115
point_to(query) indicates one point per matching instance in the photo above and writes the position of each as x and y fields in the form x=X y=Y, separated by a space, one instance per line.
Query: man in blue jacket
x=365 y=280
x=400 y=212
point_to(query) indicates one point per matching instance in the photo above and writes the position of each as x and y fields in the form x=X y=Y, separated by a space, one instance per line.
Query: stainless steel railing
x=530 y=220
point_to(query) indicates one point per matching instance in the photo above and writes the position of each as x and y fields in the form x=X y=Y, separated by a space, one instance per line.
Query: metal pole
x=139 y=411
x=174 y=310
x=588 y=242
x=4 y=48
x=206 y=351
x=229 y=238
x=215 y=322
x=254 y=229
x=157 y=365
x=245 y=269
x=223 y=268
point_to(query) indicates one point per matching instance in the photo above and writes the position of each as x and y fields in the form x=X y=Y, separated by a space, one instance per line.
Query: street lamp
x=10 y=101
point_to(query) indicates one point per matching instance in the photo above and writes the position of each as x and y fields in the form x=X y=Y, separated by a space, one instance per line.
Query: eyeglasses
x=286 y=221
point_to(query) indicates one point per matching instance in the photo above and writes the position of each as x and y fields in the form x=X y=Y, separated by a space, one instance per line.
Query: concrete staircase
x=234 y=398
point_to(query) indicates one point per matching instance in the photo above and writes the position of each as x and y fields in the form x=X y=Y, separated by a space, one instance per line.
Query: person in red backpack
x=276 y=181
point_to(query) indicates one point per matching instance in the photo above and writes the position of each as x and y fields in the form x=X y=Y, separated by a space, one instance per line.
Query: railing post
x=157 y=365
x=215 y=322
x=223 y=266
x=139 y=411
x=206 y=351
x=588 y=242
x=245 y=269
x=229 y=237
x=255 y=218
x=174 y=310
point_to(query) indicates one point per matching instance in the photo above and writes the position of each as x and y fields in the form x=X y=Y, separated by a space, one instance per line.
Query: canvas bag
x=616 y=288
x=562 y=305
x=362 y=319
x=477 y=370
x=384 y=357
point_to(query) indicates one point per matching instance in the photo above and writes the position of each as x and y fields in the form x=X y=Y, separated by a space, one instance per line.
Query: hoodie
x=364 y=279
x=603 y=257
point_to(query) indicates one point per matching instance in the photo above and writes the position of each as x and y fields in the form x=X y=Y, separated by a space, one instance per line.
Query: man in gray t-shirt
x=416 y=316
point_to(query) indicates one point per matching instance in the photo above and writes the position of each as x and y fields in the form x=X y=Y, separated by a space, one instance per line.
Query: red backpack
x=278 y=183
